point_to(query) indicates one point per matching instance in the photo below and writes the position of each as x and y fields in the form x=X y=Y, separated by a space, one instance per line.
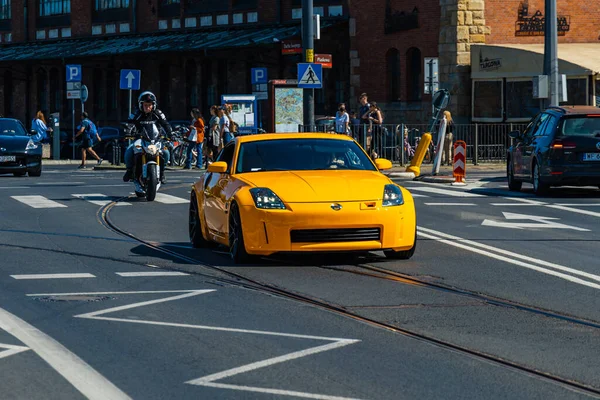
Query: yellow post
x=415 y=164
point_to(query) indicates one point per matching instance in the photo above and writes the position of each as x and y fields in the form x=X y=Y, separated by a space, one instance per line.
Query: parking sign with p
x=259 y=75
x=73 y=73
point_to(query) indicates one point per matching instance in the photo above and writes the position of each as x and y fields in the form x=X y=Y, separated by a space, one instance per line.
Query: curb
x=405 y=175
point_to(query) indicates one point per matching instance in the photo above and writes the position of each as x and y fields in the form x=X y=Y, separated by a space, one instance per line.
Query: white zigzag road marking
x=209 y=380
x=11 y=350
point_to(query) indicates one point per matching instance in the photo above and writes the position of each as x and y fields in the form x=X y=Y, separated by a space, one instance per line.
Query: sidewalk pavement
x=397 y=171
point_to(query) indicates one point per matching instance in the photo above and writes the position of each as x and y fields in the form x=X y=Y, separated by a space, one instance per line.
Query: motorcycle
x=148 y=161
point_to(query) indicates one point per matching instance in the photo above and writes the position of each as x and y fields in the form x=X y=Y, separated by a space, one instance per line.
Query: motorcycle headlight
x=152 y=149
x=31 y=145
x=392 y=196
x=265 y=198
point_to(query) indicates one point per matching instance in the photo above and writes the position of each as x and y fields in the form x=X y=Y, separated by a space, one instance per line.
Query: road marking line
x=82 y=376
x=450 y=204
x=168 y=199
x=575 y=210
x=136 y=274
x=524 y=202
x=53 y=276
x=99 y=199
x=209 y=379
x=38 y=202
x=577 y=205
x=11 y=350
x=485 y=250
x=15 y=187
x=417 y=195
x=66 y=183
x=446 y=192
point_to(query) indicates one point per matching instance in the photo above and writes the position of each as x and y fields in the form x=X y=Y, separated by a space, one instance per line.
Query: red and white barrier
x=460 y=161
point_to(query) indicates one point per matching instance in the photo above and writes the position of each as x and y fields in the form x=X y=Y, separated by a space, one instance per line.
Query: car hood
x=321 y=186
x=13 y=143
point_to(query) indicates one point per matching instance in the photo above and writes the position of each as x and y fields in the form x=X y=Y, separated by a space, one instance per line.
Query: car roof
x=292 y=135
x=576 y=110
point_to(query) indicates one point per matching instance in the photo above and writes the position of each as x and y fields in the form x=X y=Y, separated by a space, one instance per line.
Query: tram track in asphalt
x=365 y=269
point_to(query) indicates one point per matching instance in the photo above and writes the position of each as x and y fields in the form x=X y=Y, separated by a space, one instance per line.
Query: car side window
x=527 y=132
x=227 y=156
x=538 y=129
x=550 y=126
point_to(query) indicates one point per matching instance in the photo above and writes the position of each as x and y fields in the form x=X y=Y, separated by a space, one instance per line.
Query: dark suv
x=559 y=147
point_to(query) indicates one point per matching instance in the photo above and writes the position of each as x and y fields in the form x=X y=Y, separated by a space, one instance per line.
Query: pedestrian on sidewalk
x=38 y=124
x=447 y=153
x=342 y=120
x=89 y=131
x=195 y=139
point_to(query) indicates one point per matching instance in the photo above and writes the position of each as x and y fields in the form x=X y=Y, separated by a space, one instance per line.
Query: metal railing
x=486 y=143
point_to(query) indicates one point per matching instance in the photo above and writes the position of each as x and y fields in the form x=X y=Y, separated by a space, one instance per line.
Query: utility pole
x=309 y=57
x=551 y=51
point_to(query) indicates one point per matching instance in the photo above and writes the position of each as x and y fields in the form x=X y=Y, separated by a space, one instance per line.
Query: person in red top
x=196 y=139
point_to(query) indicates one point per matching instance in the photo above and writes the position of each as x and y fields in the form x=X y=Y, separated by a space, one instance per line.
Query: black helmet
x=146 y=97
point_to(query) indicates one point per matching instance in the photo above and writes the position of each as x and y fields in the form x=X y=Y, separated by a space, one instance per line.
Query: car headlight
x=31 y=145
x=392 y=196
x=265 y=198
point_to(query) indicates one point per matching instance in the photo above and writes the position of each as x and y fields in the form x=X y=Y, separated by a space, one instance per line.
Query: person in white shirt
x=342 y=120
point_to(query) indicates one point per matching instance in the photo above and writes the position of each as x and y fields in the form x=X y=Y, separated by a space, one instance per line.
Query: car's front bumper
x=350 y=229
x=22 y=163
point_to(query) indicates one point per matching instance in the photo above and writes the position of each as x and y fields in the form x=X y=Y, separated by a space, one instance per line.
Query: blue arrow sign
x=310 y=76
x=130 y=79
x=73 y=73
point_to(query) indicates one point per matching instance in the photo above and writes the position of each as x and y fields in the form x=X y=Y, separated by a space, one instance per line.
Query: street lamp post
x=551 y=51
x=309 y=55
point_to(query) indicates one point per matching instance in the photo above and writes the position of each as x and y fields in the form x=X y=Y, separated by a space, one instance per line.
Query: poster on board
x=289 y=109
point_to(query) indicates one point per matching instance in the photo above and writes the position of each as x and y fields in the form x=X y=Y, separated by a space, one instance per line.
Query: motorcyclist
x=148 y=119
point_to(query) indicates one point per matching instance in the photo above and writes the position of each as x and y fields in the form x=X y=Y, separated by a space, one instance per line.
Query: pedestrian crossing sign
x=310 y=76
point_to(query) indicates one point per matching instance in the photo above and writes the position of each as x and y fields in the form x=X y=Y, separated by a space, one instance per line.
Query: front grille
x=335 y=235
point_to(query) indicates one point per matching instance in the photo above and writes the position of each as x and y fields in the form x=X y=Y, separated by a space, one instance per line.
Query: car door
x=215 y=199
x=518 y=147
x=529 y=144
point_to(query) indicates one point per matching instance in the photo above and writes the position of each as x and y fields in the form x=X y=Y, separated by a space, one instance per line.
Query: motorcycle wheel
x=151 y=182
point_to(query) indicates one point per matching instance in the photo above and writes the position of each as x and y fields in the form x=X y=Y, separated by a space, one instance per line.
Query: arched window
x=8 y=94
x=164 y=100
x=42 y=90
x=413 y=74
x=54 y=91
x=191 y=81
x=393 y=74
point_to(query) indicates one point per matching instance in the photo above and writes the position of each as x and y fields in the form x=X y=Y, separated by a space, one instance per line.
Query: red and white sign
x=460 y=160
x=291 y=47
x=324 y=59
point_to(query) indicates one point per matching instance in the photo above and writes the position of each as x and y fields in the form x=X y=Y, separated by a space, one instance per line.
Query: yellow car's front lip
x=271 y=231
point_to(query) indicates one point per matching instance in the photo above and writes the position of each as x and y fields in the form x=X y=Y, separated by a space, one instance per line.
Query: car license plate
x=591 y=156
x=7 y=158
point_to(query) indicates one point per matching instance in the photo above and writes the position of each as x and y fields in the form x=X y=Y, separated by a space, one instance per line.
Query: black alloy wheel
x=237 y=248
x=513 y=184
x=402 y=255
x=538 y=186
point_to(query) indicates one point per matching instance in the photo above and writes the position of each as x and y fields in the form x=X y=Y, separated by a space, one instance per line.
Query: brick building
x=191 y=52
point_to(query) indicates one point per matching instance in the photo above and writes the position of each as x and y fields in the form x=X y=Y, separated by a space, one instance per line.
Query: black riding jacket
x=148 y=125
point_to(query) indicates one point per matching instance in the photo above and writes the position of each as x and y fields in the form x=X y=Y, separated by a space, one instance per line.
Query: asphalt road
x=110 y=301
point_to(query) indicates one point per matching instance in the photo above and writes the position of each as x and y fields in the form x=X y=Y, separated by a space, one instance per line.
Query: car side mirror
x=217 y=167
x=382 y=164
x=32 y=132
x=515 y=135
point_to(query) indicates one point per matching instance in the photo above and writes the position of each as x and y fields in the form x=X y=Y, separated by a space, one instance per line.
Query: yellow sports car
x=300 y=192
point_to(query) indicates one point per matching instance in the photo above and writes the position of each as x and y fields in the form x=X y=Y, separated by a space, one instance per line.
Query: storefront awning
x=225 y=38
x=527 y=60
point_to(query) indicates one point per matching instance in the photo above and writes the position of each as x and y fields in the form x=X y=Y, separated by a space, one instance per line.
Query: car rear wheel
x=513 y=184
x=538 y=186
x=195 y=225
x=237 y=248
x=404 y=254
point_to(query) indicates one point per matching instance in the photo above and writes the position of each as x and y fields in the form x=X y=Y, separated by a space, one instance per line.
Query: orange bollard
x=415 y=164
x=460 y=161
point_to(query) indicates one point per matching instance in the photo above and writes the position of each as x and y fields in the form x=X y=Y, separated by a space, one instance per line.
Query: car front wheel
x=237 y=247
x=513 y=184
x=404 y=254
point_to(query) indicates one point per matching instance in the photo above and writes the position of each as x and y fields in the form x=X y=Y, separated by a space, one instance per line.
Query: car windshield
x=581 y=126
x=11 y=128
x=302 y=155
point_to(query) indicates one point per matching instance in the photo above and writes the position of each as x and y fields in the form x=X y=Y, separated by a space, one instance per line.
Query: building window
x=206 y=20
x=238 y=18
x=102 y=5
x=252 y=17
x=577 y=92
x=413 y=74
x=297 y=13
x=393 y=74
x=111 y=28
x=124 y=27
x=54 y=7
x=319 y=10
x=190 y=22
x=487 y=101
x=336 y=11
x=5 y=9
x=520 y=104
x=65 y=32
x=8 y=94
x=222 y=19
